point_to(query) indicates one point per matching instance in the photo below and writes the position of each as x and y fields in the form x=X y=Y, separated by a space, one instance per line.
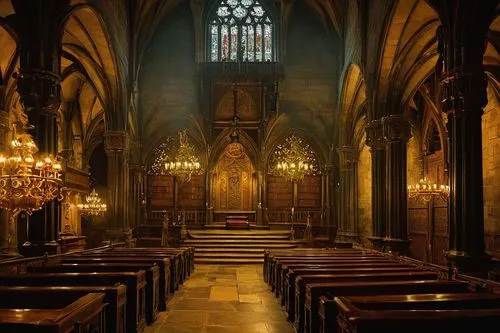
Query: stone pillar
x=208 y=197
x=348 y=157
x=374 y=139
x=396 y=131
x=461 y=45
x=116 y=145
x=37 y=24
x=328 y=215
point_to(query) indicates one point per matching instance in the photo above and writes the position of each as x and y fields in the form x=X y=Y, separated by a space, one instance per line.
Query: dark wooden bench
x=276 y=280
x=277 y=262
x=163 y=263
x=83 y=314
x=36 y=297
x=270 y=255
x=184 y=257
x=152 y=279
x=431 y=313
x=302 y=281
x=135 y=282
x=287 y=279
x=315 y=290
x=288 y=295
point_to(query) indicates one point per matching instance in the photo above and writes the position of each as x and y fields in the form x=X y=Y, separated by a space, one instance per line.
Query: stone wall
x=168 y=82
x=365 y=194
x=308 y=91
x=491 y=172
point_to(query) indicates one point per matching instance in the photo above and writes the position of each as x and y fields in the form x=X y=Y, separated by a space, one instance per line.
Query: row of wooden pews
x=112 y=289
x=358 y=290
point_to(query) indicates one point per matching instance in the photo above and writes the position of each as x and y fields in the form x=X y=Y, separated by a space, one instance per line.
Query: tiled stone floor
x=223 y=299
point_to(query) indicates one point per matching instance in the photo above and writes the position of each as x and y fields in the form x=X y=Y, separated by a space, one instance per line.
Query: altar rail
x=193 y=217
x=284 y=215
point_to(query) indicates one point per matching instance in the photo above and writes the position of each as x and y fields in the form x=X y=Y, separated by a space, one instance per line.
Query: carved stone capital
x=464 y=92
x=396 y=128
x=374 y=134
x=116 y=142
x=39 y=89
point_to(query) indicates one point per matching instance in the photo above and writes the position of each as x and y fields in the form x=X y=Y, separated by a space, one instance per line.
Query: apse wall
x=308 y=92
x=168 y=84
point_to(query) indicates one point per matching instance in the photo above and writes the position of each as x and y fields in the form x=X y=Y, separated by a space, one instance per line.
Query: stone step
x=229 y=255
x=241 y=237
x=232 y=250
x=238 y=241
x=229 y=261
x=240 y=245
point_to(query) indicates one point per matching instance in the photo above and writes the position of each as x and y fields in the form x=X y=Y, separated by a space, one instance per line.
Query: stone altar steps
x=237 y=246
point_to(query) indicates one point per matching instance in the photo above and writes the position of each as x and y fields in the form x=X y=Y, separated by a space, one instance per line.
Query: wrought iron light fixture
x=92 y=205
x=26 y=182
x=426 y=190
x=293 y=159
x=184 y=163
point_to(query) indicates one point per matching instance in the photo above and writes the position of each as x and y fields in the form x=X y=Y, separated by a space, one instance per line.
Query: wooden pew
x=135 y=282
x=115 y=297
x=276 y=281
x=184 y=257
x=164 y=264
x=176 y=272
x=152 y=279
x=285 y=267
x=332 y=290
x=288 y=296
x=302 y=281
x=417 y=313
x=273 y=260
x=188 y=253
x=288 y=280
x=84 y=314
x=269 y=255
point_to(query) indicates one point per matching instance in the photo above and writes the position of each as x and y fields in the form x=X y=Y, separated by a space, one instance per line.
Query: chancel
x=249 y=165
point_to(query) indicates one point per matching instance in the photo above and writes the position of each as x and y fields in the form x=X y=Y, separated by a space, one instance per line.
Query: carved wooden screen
x=233 y=181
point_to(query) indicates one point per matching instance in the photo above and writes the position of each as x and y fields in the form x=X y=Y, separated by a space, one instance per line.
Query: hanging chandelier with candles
x=28 y=182
x=183 y=163
x=92 y=205
x=426 y=190
x=293 y=159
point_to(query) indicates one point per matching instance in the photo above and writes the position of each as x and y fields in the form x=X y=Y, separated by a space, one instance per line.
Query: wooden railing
x=284 y=215
x=191 y=217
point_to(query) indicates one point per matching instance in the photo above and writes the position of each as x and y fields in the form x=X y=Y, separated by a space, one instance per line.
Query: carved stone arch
x=224 y=139
x=320 y=150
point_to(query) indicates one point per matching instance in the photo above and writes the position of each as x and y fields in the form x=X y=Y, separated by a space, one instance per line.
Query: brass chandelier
x=184 y=163
x=26 y=183
x=293 y=159
x=92 y=205
x=426 y=190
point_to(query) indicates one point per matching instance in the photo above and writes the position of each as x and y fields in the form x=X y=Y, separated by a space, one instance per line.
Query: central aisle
x=223 y=299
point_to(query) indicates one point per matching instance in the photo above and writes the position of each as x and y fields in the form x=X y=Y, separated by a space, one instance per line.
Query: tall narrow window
x=240 y=30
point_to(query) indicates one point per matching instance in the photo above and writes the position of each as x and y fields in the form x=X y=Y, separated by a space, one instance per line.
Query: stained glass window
x=241 y=30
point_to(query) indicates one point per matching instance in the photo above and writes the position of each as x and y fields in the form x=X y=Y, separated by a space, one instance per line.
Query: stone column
x=116 y=145
x=208 y=197
x=374 y=139
x=260 y=186
x=328 y=215
x=37 y=24
x=396 y=131
x=348 y=157
x=462 y=42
